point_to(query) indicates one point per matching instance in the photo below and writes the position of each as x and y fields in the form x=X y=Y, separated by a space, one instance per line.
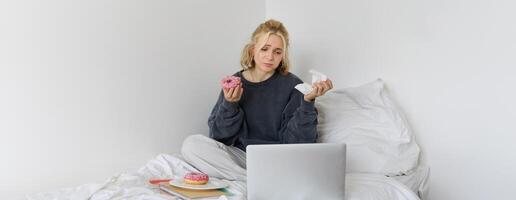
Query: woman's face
x=268 y=58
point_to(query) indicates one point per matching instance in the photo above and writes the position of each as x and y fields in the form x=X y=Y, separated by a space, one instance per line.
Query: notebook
x=188 y=194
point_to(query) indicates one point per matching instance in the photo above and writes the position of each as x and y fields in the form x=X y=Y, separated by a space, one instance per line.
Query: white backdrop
x=449 y=64
x=92 y=88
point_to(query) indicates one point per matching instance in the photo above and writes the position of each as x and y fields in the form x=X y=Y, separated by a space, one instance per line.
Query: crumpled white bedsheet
x=134 y=186
x=417 y=180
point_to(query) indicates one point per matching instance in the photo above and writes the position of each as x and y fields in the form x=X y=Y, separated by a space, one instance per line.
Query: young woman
x=264 y=108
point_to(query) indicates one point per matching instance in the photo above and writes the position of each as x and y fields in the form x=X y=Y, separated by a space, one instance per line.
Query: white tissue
x=317 y=76
x=306 y=88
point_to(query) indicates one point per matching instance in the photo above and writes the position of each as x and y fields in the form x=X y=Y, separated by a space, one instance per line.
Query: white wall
x=92 y=88
x=448 y=63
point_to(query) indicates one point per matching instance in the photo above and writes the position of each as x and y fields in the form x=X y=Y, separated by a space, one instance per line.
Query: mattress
x=135 y=185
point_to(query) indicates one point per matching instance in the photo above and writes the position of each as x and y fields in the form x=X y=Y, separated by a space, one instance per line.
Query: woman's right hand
x=233 y=94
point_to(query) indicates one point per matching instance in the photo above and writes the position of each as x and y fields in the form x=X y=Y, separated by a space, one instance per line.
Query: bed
x=382 y=155
x=135 y=186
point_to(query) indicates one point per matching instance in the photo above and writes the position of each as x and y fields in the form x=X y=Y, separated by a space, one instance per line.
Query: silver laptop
x=296 y=171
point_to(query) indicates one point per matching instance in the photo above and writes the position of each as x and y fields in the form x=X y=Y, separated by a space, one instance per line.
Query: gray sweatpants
x=214 y=158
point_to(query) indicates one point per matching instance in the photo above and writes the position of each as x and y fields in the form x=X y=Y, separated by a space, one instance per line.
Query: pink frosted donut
x=195 y=178
x=230 y=82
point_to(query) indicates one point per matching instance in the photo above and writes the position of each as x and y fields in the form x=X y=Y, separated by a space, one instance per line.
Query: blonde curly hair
x=261 y=34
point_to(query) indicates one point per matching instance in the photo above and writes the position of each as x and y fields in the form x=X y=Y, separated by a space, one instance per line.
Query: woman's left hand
x=319 y=88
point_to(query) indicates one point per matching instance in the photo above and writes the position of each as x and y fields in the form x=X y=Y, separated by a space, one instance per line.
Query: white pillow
x=376 y=133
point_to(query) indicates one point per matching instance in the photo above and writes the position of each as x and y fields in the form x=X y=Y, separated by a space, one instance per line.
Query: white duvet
x=134 y=186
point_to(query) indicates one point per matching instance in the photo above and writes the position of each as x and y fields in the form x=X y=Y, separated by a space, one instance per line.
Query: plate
x=212 y=184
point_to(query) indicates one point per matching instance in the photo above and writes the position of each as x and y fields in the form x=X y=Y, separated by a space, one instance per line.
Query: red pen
x=158 y=181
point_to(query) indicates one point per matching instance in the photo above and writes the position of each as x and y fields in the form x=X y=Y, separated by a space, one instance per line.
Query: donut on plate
x=195 y=178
